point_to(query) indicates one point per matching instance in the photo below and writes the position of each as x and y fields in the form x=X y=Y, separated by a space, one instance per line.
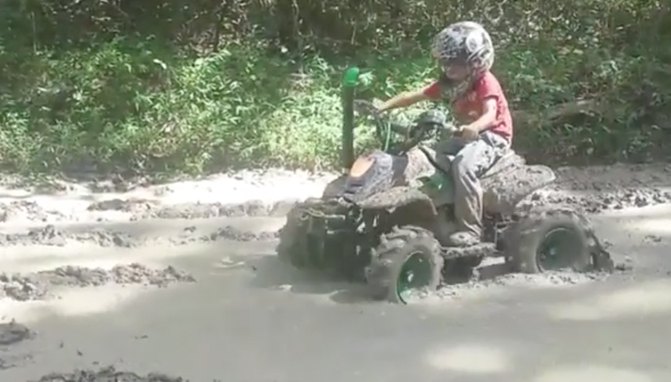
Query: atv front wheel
x=544 y=240
x=406 y=261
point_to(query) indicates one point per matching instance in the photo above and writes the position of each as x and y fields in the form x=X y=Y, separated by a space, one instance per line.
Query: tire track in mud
x=39 y=285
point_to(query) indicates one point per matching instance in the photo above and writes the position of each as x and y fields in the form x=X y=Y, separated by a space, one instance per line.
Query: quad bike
x=388 y=218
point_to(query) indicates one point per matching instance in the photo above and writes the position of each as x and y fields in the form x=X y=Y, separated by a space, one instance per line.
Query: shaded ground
x=81 y=270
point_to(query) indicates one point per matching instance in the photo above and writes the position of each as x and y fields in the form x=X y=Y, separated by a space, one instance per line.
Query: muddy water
x=44 y=259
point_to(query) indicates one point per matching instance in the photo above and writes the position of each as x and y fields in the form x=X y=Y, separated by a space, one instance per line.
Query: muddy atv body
x=386 y=221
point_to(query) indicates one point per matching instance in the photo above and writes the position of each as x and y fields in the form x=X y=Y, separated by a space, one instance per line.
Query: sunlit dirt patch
x=592 y=374
x=643 y=299
x=471 y=358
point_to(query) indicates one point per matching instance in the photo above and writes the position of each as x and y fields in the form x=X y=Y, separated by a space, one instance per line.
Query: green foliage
x=201 y=85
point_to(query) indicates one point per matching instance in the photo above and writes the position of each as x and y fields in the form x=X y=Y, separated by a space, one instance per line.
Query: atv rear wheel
x=406 y=261
x=291 y=248
x=544 y=240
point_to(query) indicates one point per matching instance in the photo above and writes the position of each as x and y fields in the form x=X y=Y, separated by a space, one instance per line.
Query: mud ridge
x=50 y=235
x=13 y=332
x=596 y=201
x=227 y=233
x=129 y=205
x=108 y=374
x=39 y=285
x=498 y=276
x=25 y=209
x=231 y=233
x=255 y=208
x=550 y=278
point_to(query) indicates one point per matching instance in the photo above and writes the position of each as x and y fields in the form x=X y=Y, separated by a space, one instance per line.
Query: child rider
x=465 y=54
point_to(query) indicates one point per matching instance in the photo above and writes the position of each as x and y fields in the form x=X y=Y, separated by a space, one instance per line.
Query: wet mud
x=590 y=190
x=500 y=277
x=601 y=188
x=40 y=285
x=600 y=201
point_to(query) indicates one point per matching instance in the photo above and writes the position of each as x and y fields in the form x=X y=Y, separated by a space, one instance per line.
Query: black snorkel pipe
x=349 y=82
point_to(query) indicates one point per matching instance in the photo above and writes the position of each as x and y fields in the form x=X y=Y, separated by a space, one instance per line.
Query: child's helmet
x=464 y=43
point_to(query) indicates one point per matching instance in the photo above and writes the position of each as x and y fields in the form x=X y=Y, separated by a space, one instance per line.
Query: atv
x=387 y=219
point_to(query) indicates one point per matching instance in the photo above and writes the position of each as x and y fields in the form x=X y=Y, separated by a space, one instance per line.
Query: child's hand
x=469 y=133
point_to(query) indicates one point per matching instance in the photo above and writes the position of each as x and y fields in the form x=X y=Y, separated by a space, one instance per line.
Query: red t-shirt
x=470 y=106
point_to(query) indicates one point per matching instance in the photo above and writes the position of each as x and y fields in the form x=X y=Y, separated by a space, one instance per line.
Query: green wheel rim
x=415 y=274
x=558 y=249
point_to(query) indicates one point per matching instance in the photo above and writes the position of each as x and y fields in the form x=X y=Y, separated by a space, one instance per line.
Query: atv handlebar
x=365 y=107
x=427 y=123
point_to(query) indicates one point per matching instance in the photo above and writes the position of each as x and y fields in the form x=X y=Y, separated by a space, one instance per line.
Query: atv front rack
x=331 y=236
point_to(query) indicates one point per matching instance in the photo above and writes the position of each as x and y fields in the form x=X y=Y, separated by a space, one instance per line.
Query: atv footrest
x=483 y=249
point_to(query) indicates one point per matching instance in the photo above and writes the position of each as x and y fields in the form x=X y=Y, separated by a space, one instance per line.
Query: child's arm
x=406 y=99
x=486 y=120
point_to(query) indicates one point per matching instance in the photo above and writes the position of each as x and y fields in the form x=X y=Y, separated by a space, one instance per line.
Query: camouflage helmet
x=464 y=43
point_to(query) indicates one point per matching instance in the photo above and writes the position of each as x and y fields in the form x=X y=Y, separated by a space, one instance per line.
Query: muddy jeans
x=471 y=160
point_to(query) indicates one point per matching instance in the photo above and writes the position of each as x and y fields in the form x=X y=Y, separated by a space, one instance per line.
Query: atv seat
x=443 y=162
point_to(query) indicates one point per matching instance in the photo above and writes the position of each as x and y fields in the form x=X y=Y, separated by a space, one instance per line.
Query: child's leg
x=469 y=164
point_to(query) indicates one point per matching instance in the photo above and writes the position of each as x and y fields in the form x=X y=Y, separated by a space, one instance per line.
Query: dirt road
x=181 y=279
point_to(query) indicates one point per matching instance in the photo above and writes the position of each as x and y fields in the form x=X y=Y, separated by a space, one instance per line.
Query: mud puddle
x=39 y=285
x=108 y=374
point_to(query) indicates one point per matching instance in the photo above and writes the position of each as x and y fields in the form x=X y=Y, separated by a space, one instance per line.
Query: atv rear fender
x=509 y=181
